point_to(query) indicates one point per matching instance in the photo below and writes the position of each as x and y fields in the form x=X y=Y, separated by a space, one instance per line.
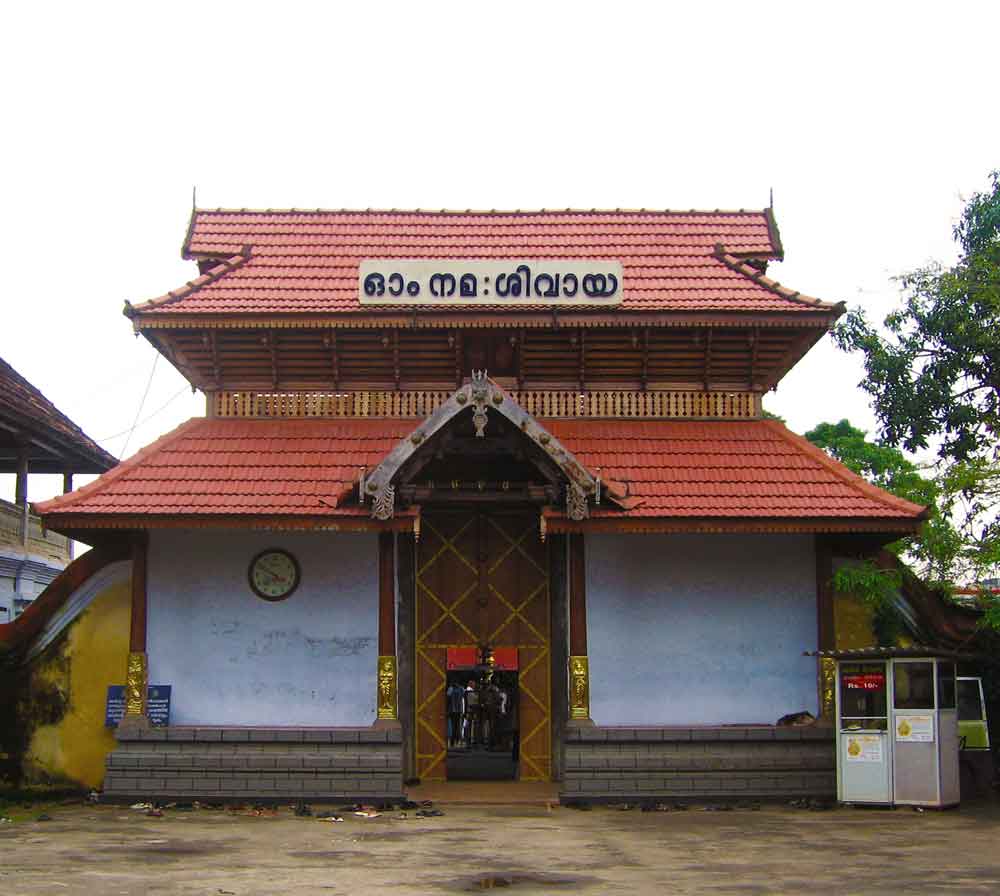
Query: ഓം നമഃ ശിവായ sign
x=410 y=281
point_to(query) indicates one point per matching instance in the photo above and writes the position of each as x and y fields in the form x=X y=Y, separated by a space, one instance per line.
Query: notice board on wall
x=157 y=705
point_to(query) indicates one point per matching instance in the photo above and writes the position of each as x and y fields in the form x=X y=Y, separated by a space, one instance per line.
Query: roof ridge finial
x=194 y=197
x=770 y=199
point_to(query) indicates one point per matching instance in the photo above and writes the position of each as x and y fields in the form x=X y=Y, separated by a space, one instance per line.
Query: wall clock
x=274 y=574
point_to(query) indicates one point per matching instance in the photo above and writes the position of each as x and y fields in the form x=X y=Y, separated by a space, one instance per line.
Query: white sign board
x=915 y=729
x=864 y=748
x=450 y=281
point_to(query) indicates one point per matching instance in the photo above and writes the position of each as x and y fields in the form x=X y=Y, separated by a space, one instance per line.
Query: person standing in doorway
x=491 y=713
x=455 y=697
x=472 y=722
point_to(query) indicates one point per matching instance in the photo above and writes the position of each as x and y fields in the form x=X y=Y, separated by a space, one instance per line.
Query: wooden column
x=21 y=492
x=137 y=672
x=826 y=637
x=67 y=488
x=406 y=579
x=387 y=668
x=559 y=626
x=579 y=666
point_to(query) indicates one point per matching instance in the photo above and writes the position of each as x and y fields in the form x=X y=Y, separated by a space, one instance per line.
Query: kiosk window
x=914 y=685
x=970 y=707
x=862 y=695
x=946 y=685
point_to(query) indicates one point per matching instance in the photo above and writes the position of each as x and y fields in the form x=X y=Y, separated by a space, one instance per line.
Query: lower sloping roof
x=248 y=471
x=55 y=443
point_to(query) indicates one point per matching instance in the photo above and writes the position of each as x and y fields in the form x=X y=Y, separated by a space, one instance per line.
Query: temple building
x=524 y=450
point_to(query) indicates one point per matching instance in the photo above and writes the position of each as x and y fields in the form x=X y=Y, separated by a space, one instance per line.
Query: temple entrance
x=483 y=733
x=483 y=582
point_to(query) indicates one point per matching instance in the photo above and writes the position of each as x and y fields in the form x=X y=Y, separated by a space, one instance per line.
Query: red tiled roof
x=754 y=470
x=26 y=409
x=306 y=262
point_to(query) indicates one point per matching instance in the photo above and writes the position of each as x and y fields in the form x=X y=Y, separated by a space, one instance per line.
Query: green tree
x=933 y=373
x=935 y=550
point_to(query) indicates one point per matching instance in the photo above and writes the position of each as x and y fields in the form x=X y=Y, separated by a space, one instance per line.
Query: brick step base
x=730 y=762
x=255 y=764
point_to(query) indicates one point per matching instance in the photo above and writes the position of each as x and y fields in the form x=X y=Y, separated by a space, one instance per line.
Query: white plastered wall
x=700 y=629
x=234 y=659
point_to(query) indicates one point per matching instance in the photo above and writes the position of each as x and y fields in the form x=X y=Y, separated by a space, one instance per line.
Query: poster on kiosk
x=897 y=727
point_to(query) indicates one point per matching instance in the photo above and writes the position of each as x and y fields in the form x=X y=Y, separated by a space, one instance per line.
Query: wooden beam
x=395 y=357
x=645 y=358
x=754 y=345
x=334 y=359
x=137 y=618
x=579 y=662
x=406 y=578
x=215 y=359
x=577 y=596
x=21 y=490
x=826 y=635
x=386 y=594
x=520 y=358
x=708 y=358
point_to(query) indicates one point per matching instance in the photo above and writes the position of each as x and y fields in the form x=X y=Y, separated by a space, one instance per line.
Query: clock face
x=274 y=574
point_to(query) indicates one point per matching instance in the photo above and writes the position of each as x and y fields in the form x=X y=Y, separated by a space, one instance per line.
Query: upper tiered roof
x=295 y=262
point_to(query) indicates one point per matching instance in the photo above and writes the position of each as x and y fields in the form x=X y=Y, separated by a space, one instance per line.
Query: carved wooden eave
x=485 y=398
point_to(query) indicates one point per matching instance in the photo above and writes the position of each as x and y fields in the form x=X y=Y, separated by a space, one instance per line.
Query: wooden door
x=482 y=579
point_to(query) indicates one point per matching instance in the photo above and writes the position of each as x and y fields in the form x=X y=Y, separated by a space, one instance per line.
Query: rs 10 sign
x=402 y=281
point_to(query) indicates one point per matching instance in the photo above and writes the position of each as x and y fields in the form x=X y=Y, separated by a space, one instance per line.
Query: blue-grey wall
x=700 y=629
x=234 y=659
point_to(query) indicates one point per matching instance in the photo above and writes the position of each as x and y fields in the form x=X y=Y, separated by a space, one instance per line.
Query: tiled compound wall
x=699 y=763
x=256 y=764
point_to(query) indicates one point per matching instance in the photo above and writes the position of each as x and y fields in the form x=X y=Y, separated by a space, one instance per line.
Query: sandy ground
x=99 y=850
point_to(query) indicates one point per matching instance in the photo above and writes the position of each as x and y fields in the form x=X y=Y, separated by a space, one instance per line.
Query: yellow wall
x=852 y=623
x=88 y=657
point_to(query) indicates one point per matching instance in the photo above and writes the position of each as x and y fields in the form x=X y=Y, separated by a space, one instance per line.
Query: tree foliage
x=933 y=373
x=935 y=551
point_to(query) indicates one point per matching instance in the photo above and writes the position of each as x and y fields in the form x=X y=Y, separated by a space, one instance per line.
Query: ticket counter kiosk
x=897 y=727
x=864 y=745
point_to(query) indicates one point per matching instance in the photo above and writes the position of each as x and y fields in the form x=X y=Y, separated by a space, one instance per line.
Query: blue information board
x=157 y=705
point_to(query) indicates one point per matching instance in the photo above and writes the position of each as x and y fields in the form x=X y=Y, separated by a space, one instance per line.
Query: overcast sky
x=870 y=121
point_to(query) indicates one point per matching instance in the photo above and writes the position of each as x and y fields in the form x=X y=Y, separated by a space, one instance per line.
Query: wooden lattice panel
x=543 y=403
x=482 y=579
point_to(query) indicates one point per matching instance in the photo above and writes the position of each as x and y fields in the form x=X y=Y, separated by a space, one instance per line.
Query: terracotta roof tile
x=287 y=262
x=672 y=469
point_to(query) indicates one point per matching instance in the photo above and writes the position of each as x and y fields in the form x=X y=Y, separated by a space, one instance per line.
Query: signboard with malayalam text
x=157 y=705
x=512 y=282
x=872 y=681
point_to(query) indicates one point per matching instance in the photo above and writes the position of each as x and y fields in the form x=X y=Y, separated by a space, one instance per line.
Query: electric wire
x=142 y=403
x=148 y=417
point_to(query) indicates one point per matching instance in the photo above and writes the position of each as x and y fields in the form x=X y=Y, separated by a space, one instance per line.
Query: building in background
x=35 y=437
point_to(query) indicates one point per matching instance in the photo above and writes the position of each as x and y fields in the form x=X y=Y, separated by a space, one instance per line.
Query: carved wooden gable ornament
x=485 y=398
